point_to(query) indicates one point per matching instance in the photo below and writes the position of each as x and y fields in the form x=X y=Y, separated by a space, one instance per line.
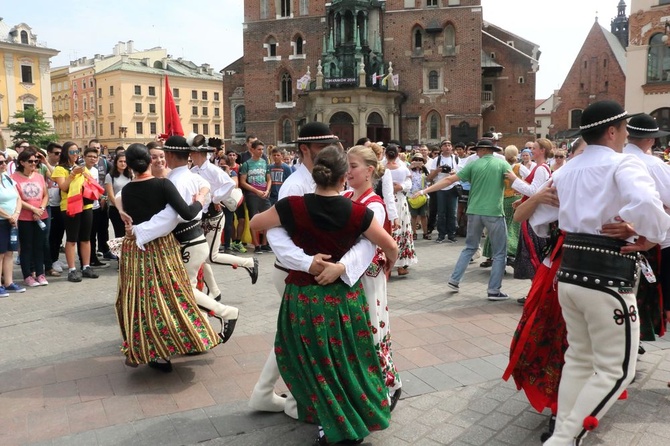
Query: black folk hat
x=316 y=132
x=487 y=144
x=216 y=143
x=176 y=143
x=644 y=126
x=602 y=114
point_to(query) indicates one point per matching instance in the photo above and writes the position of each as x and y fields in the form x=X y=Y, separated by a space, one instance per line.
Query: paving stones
x=451 y=350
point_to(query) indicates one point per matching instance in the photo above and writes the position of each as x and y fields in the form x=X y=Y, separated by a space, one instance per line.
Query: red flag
x=172 y=121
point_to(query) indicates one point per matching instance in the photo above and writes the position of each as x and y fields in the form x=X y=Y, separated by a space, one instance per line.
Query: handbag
x=417 y=202
x=234 y=200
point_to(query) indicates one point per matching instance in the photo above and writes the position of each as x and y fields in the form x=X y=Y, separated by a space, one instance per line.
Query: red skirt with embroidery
x=539 y=343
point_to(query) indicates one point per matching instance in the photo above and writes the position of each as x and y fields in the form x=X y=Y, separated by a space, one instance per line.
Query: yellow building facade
x=119 y=99
x=24 y=75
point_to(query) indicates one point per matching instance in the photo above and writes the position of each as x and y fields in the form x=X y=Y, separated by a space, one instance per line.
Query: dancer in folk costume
x=155 y=306
x=189 y=234
x=313 y=138
x=323 y=345
x=597 y=273
x=363 y=167
x=402 y=182
x=653 y=294
x=213 y=219
x=530 y=246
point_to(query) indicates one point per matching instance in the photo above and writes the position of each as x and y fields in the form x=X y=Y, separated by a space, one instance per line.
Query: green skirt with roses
x=327 y=358
x=155 y=305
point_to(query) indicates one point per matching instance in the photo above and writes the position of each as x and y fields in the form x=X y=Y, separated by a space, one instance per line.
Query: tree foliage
x=31 y=126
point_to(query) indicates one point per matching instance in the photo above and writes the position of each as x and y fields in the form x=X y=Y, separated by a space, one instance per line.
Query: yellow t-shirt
x=62 y=172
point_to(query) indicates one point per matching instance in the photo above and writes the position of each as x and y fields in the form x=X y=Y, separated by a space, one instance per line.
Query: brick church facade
x=597 y=73
x=413 y=70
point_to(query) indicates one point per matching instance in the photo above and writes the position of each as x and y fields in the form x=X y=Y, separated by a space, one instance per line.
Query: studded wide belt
x=596 y=260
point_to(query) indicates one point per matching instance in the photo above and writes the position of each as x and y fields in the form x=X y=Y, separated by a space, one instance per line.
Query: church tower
x=619 y=25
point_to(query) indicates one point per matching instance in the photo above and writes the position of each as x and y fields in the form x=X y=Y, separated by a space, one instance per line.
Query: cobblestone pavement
x=63 y=382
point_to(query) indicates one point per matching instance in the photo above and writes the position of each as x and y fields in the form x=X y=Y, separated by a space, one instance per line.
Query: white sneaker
x=57 y=266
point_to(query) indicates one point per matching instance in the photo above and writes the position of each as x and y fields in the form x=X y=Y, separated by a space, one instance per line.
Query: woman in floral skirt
x=324 y=348
x=155 y=306
x=402 y=183
x=363 y=167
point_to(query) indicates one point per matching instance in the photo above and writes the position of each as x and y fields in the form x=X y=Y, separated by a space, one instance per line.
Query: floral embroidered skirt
x=327 y=358
x=375 y=292
x=155 y=306
x=403 y=236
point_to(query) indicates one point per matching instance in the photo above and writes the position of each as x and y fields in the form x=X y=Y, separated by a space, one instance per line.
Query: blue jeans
x=447 y=204
x=498 y=235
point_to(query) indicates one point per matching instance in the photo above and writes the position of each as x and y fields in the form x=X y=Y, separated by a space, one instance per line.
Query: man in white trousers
x=212 y=219
x=597 y=276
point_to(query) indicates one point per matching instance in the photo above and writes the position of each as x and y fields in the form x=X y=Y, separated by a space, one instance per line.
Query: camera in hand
x=445 y=168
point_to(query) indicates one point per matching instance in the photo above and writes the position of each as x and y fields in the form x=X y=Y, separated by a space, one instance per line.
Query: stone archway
x=376 y=130
x=342 y=125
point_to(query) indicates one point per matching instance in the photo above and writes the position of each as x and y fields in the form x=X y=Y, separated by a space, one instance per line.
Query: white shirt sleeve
x=542 y=216
x=644 y=208
x=357 y=260
x=542 y=174
x=160 y=225
x=388 y=195
x=287 y=252
x=407 y=182
x=225 y=186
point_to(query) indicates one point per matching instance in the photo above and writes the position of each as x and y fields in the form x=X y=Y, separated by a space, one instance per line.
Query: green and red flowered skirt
x=327 y=357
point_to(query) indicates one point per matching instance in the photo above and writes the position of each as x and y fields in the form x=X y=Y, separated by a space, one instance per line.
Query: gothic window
x=433 y=80
x=449 y=40
x=658 y=60
x=575 y=118
x=286 y=88
x=418 y=39
x=298 y=45
x=287 y=131
x=433 y=126
x=24 y=37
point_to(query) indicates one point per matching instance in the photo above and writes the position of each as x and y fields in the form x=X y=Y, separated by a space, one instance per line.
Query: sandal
x=427 y=237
